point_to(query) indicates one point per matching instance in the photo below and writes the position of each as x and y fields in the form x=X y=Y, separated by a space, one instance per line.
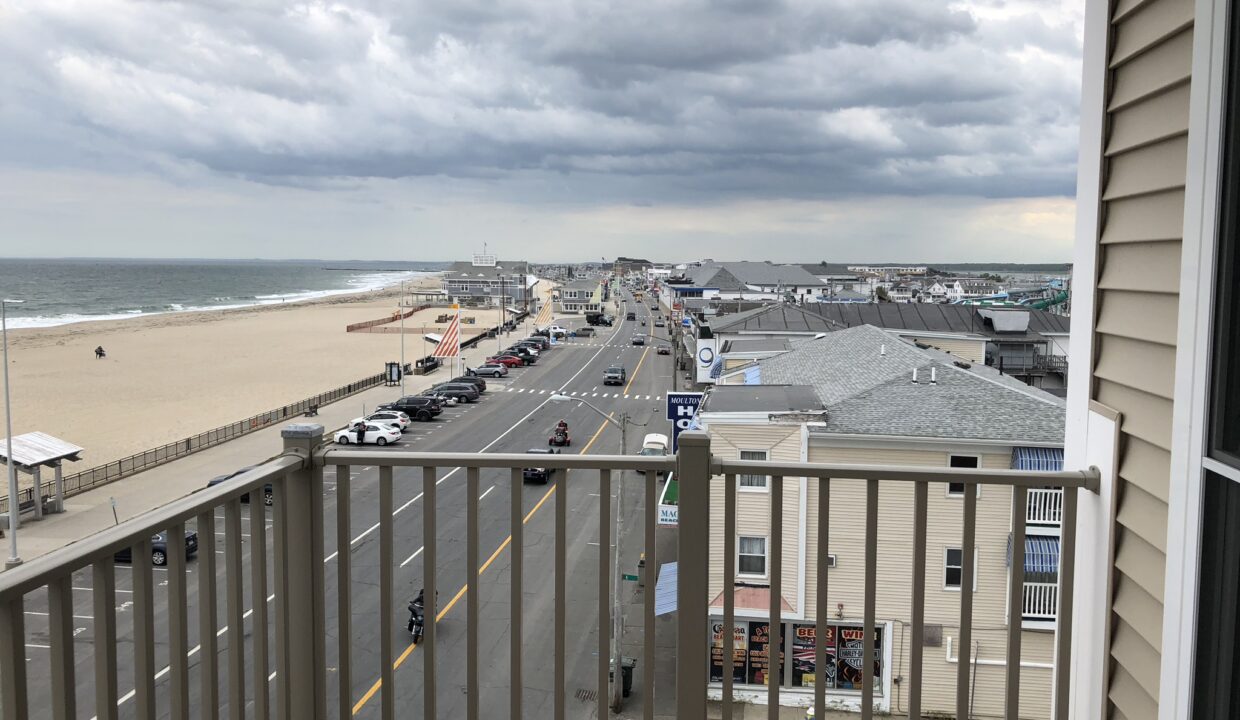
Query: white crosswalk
x=584 y=394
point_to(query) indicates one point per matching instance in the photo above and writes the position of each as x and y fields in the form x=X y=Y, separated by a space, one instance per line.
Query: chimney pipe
x=934 y=376
x=914 y=376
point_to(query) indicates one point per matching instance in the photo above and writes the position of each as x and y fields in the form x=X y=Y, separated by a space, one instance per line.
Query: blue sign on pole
x=681 y=407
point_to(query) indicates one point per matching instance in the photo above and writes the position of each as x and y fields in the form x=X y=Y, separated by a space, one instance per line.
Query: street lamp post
x=503 y=316
x=13 y=560
x=617 y=621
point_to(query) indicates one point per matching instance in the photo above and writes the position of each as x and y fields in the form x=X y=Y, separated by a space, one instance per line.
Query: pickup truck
x=615 y=375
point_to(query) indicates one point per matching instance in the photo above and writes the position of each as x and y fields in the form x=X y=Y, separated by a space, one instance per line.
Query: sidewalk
x=92 y=511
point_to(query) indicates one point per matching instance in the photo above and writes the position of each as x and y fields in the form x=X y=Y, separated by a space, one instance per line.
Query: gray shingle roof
x=761 y=273
x=960 y=405
x=864 y=377
x=762 y=398
x=775 y=318
x=930 y=317
x=510 y=267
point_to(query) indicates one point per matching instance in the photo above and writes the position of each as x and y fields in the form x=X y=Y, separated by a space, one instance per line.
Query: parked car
x=159 y=549
x=584 y=331
x=664 y=350
x=615 y=375
x=543 y=342
x=461 y=392
x=528 y=356
x=557 y=331
x=541 y=474
x=639 y=339
x=444 y=400
x=373 y=434
x=493 y=370
x=395 y=418
x=533 y=345
x=510 y=361
x=416 y=407
x=471 y=380
x=267 y=492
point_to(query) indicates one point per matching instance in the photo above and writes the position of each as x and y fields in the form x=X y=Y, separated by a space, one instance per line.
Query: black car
x=416 y=407
x=159 y=549
x=543 y=341
x=522 y=352
x=630 y=316
x=541 y=474
x=471 y=380
x=463 y=392
x=639 y=339
x=246 y=497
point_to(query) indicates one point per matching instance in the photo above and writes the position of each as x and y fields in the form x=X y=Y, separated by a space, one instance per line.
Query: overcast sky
x=806 y=130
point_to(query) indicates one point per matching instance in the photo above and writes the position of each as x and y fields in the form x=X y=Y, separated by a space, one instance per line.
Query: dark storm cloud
x=654 y=100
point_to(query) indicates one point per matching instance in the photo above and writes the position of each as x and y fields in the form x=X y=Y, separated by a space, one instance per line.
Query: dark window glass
x=1225 y=405
x=953 y=570
x=960 y=461
x=1216 y=691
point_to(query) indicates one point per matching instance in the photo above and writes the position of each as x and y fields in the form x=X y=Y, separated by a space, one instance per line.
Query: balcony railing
x=278 y=666
x=1045 y=507
x=1041 y=602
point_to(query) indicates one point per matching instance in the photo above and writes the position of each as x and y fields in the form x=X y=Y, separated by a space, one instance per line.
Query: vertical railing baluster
x=517 y=524
x=471 y=592
x=963 y=655
x=921 y=492
x=429 y=586
x=386 y=557
x=13 y=701
x=651 y=579
x=178 y=629
x=1063 y=615
x=318 y=590
x=280 y=589
x=1016 y=602
x=693 y=470
x=143 y=631
x=344 y=579
x=235 y=606
x=258 y=605
x=775 y=635
x=561 y=576
x=871 y=592
x=605 y=550
x=821 y=607
x=729 y=592
x=208 y=657
x=103 y=581
x=60 y=620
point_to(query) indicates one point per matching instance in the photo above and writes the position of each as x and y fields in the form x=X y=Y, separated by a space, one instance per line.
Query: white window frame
x=950 y=588
x=766 y=557
x=947 y=487
x=766 y=483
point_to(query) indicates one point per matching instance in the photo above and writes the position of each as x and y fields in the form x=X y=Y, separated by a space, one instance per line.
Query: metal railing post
x=692 y=650
x=299 y=602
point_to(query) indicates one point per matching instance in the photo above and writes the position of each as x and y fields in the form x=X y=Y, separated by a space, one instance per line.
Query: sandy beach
x=169 y=376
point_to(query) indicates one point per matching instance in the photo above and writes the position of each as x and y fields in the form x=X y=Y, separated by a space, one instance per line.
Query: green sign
x=632 y=578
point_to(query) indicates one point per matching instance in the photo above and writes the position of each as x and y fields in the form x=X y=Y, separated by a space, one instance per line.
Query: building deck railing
x=296 y=585
x=1041 y=601
x=1045 y=507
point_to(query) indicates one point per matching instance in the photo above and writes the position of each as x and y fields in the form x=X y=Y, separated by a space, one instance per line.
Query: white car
x=395 y=418
x=654 y=444
x=557 y=331
x=374 y=434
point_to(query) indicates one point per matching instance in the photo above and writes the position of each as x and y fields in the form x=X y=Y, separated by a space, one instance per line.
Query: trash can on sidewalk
x=626 y=674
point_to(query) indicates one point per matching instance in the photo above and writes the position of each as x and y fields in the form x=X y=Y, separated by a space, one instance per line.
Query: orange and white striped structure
x=450 y=344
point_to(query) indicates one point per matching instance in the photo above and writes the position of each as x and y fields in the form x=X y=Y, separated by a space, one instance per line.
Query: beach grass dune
x=170 y=376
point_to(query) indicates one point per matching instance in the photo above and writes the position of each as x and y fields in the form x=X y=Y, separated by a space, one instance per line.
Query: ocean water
x=60 y=291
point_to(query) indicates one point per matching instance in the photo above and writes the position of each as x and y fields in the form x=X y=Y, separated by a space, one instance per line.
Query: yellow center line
x=633 y=377
x=461 y=593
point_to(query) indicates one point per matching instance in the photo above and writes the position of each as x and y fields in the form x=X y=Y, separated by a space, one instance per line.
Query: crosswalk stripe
x=626 y=397
x=511 y=389
x=594 y=395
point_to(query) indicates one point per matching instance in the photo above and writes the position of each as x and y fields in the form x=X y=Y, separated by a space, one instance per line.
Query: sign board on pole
x=681 y=407
x=484 y=260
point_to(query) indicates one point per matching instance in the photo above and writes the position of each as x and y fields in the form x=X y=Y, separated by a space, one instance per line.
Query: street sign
x=630 y=578
x=681 y=407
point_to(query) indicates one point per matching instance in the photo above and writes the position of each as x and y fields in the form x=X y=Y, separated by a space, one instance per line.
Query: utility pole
x=617 y=618
x=401 y=308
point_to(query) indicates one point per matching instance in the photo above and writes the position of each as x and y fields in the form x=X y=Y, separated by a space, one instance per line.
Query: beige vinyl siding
x=753 y=509
x=1135 y=327
x=971 y=350
x=846 y=542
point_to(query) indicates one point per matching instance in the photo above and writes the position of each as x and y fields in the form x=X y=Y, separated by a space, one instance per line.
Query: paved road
x=515 y=414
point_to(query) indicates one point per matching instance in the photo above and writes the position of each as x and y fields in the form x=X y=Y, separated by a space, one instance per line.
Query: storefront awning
x=1037 y=459
x=751 y=598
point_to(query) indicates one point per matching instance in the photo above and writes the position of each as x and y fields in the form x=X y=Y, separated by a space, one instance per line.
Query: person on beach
x=99 y=353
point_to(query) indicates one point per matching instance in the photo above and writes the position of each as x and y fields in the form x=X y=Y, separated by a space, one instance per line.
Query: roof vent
x=934 y=376
x=882 y=349
x=961 y=365
x=914 y=376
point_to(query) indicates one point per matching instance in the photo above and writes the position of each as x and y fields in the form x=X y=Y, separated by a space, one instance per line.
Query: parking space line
x=411 y=557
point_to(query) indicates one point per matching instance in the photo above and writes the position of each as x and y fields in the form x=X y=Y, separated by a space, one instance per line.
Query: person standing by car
x=360 y=428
